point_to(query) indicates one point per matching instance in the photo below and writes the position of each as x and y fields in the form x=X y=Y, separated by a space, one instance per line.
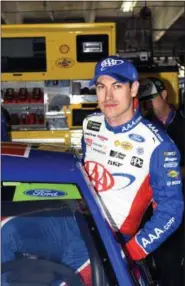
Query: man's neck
x=122 y=119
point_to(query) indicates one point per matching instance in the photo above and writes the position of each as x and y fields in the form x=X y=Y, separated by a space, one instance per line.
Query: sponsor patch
x=113 y=163
x=102 y=138
x=173 y=183
x=93 y=125
x=171 y=165
x=173 y=174
x=131 y=125
x=136 y=137
x=88 y=141
x=125 y=145
x=155 y=131
x=103 y=180
x=140 y=150
x=136 y=162
x=90 y=134
x=168 y=159
x=157 y=232
x=173 y=153
x=99 y=151
x=117 y=155
x=100 y=146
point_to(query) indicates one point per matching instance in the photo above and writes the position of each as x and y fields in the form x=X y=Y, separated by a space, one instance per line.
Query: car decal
x=17 y=150
x=39 y=191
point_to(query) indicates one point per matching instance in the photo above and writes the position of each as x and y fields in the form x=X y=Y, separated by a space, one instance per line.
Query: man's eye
x=117 y=86
x=100 y=87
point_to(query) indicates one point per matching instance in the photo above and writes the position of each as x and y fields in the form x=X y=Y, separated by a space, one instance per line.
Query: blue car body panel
x=58 y=167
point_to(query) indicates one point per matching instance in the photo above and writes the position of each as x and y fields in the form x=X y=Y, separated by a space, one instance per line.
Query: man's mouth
x=108 y=105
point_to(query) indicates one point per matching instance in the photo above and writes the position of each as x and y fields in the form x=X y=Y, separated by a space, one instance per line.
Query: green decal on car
x=38 y=192
x=11 y=184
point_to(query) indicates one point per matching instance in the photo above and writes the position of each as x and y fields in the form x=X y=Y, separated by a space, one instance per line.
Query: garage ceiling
x=134 y=32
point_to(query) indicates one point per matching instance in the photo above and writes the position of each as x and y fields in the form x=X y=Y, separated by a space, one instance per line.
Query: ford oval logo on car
x=45 y=193
x=136 y=137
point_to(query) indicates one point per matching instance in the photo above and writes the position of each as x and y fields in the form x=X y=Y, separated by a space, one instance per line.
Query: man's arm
x=165 y=181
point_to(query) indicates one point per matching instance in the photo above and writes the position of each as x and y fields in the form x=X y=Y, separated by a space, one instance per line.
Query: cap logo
x=110 y=62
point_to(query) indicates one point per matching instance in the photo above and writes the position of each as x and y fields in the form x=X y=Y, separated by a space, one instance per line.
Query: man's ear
x=134 y=88
x=164 y=94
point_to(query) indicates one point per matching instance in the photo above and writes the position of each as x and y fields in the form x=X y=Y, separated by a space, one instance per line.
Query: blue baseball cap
x=120 y=69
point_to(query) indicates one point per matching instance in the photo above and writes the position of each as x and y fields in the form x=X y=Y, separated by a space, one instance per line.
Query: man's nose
x=108 y=94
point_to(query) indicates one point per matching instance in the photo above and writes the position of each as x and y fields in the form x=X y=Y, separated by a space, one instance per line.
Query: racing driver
x=131 y=162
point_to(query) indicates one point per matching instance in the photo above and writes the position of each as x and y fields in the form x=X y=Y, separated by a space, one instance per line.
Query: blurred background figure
x=153 y=98
x=5 y=125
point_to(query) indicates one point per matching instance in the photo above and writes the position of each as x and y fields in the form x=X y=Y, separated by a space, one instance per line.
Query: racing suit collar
x=126 y=126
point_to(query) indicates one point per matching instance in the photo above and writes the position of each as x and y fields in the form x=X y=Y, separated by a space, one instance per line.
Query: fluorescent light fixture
x=128 y=6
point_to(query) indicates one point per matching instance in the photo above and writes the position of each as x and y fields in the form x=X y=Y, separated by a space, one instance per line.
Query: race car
x=53 y=229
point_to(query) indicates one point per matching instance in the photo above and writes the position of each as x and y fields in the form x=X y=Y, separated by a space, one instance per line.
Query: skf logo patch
x=113 y=163
x=124 y=145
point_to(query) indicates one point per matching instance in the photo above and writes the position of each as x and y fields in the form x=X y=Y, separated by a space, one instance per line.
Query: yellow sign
x=64 y=49
x=124 y=145
x=65 y=63
x=60 y=40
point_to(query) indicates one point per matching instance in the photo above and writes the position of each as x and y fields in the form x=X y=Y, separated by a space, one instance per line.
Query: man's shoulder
x=179 y=119
x=156 y=131
x=96 y=116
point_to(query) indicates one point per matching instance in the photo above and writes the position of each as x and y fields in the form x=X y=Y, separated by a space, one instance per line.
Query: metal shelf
x=29 y=127
x=23 y=105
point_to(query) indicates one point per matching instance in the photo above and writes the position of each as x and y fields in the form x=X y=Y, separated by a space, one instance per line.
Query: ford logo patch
x=45 y=193
x=136 y=137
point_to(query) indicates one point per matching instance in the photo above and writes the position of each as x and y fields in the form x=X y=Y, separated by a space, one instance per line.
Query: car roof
x=24 y=163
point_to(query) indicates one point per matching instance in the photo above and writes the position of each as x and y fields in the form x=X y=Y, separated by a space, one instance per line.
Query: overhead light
x=128 y=6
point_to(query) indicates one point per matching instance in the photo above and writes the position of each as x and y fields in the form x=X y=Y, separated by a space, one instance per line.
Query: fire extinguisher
x=23 y=95
x=10 y=96
x=37 y=95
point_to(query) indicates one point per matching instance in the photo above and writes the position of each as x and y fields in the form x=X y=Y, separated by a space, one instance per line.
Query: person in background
x=124 y=156
x=153 y=97
x=5 y=125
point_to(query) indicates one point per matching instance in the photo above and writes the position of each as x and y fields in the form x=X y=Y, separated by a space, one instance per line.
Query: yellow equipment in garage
x=46 y=70
x=45 y=73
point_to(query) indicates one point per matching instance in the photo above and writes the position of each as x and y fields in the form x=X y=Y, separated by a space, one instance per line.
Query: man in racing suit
x=131 y=162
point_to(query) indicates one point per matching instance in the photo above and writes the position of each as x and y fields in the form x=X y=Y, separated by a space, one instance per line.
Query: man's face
x=115 y=98
x=154 y=106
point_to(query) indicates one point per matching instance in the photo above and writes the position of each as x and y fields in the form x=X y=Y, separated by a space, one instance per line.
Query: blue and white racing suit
x=131 y=166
